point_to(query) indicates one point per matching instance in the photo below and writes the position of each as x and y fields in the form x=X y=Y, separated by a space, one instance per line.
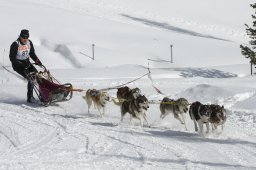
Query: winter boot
x=31 y=100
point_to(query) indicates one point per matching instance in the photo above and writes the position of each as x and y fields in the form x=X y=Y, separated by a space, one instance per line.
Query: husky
x=200 y=114
x=136 y=107
x=99 y=98
x=125 y=93
x=218 y=116
x=177 y=107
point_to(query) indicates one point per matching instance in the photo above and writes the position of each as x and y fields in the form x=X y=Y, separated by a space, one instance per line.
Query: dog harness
x=23 y=50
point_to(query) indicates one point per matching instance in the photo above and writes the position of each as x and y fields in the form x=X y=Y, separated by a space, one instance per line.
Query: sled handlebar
x=40 y=66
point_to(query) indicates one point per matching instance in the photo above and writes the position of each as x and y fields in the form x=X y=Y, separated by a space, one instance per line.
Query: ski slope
x=208 y=67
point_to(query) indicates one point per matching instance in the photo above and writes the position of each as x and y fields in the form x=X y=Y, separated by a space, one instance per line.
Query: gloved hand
x=38 y=62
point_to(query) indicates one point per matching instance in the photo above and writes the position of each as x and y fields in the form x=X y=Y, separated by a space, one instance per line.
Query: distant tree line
x=249 y=51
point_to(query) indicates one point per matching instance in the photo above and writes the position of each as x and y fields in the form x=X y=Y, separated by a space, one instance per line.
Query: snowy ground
x=65 y=136
x=127 y=33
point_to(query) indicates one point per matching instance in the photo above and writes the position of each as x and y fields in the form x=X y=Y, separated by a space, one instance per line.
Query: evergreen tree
x=249 y=52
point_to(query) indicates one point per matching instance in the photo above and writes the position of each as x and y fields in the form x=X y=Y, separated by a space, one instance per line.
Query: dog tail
x=118 y=103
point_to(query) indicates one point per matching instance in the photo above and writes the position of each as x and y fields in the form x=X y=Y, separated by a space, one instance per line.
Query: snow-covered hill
x=208 y=67
x=123 y=30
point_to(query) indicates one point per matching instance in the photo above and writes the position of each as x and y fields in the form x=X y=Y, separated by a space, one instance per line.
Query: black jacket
x=18 y=64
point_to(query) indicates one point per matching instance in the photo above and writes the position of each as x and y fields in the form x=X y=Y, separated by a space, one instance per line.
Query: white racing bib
x=23 y=51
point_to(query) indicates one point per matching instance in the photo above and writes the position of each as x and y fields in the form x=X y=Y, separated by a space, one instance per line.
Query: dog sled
x=48 y=89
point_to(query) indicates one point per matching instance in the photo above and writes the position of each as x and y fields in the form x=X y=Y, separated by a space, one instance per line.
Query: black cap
x=24 y=33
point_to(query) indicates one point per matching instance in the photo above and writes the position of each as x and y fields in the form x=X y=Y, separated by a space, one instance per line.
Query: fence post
x=171 y=53
x=93 y=51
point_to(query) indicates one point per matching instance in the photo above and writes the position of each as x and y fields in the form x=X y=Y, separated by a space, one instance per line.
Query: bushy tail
x=118 y=103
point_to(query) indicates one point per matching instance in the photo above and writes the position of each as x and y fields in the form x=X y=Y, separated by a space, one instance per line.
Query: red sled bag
x=48 y=89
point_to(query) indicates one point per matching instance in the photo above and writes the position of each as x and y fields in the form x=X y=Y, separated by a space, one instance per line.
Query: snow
x=208 y=67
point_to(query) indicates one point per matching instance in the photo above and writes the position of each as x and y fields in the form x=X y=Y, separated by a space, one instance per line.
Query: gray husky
x=177 y=107
x=218 y=116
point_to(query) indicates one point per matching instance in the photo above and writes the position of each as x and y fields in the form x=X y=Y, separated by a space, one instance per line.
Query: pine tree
x=249 y=52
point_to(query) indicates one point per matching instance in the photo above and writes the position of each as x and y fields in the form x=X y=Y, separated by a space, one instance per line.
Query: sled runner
x=48 y=89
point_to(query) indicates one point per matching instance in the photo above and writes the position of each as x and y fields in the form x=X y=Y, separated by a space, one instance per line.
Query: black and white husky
x=125 y=93
x=177 y=107
x=136 y=107
x=200 y=114
x=206 y=114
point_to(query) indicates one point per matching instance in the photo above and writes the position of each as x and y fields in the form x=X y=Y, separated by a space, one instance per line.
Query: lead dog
x=98 y=98
x=205 y=114
x=200 y=114
x=136 y=108
x=177 y=107
x=218 y=116
x=125 y=93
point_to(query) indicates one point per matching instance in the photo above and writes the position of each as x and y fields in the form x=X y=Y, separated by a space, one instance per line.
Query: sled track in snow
x=56 y=129
x=53 y=131
x=9 y=139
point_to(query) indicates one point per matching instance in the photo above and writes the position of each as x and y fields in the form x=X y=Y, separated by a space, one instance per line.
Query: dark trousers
x=23 y=68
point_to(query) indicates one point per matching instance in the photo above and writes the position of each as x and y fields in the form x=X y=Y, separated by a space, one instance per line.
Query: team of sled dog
x=133 y=102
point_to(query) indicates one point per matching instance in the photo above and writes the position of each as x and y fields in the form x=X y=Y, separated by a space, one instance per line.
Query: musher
x=20 y=51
